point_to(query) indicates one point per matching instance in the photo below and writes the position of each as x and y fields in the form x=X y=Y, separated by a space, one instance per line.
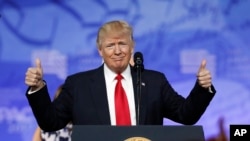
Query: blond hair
x=118 y=27
x=58 y=91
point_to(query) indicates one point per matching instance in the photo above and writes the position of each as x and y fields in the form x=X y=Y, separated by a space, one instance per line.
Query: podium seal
x=137 y=139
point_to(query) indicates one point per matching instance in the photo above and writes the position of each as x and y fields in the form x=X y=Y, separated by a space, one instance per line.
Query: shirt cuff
x=210 y=90
x=31 y=92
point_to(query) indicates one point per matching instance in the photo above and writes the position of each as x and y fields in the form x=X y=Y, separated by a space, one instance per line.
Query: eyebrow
x=111 y=43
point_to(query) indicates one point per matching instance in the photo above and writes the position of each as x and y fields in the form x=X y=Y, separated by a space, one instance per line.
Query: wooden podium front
x=137 y=133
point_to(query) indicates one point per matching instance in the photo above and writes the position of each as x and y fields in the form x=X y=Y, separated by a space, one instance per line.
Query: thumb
x=39 y=66
x=203 y=65
x=38 y=63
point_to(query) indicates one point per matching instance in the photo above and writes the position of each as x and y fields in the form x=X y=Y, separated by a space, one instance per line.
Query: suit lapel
x=99 y=95
x=143 y=97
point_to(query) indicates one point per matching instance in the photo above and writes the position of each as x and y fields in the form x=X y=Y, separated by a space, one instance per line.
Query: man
x=88 y=98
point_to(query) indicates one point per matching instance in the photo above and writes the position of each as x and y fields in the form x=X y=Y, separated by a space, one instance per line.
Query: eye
x=122 y=43
x=109 y=45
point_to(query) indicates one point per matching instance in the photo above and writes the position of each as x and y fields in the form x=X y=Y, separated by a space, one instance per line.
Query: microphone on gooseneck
x=138 y=67
x=138 y=60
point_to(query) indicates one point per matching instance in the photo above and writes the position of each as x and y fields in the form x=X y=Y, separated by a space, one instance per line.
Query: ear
x=132 y=48
x=100 y=51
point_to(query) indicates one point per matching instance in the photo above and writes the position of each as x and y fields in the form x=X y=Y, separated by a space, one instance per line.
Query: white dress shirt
x=127 y=84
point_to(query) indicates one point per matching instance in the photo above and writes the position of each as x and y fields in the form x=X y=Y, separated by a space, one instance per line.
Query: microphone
x=138 y=67
x=138 y=59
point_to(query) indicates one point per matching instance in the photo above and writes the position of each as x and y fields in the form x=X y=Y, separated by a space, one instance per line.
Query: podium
x=137 y=133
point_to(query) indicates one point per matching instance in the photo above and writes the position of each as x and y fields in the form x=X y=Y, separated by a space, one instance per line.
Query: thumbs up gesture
x=34 y=76
x=204 y=76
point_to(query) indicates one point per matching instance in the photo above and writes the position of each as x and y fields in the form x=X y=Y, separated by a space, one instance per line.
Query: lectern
x=137 y=133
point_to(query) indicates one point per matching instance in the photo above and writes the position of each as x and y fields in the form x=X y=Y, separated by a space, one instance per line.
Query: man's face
x=116 y=52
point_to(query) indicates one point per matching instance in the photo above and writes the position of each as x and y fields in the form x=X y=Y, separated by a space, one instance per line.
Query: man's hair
x=114 y=28
x=58 y=91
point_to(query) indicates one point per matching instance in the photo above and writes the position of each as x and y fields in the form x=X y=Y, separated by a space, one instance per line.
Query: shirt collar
x=110 y=75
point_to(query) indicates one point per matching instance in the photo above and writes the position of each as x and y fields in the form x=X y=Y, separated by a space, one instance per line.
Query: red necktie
x=121 y=104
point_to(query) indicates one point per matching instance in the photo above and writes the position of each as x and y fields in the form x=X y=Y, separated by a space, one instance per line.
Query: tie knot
x=119 y=77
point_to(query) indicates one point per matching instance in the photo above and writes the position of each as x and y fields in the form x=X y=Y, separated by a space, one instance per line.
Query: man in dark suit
x=87 y=98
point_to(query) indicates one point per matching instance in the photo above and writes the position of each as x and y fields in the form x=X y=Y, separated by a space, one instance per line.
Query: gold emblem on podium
x=137 y=139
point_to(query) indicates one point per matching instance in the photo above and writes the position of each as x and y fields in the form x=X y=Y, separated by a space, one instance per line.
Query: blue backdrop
x=174 y=37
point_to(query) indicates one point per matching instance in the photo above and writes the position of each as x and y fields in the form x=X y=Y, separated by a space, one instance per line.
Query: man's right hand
x=34 y=76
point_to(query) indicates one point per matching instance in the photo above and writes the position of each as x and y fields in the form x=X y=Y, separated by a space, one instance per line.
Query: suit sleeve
x=50 y=116
x=185 y=110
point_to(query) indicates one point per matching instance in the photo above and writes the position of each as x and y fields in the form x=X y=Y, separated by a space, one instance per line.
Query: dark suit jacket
x=84 y=101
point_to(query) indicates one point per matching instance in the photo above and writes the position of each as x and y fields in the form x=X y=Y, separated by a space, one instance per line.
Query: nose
x=117 y=49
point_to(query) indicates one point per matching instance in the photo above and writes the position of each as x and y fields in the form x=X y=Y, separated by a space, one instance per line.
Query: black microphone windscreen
x=138 y=58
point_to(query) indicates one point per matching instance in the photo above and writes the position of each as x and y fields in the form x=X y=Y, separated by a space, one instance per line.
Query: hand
x=34 y=76
x=204 y=76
